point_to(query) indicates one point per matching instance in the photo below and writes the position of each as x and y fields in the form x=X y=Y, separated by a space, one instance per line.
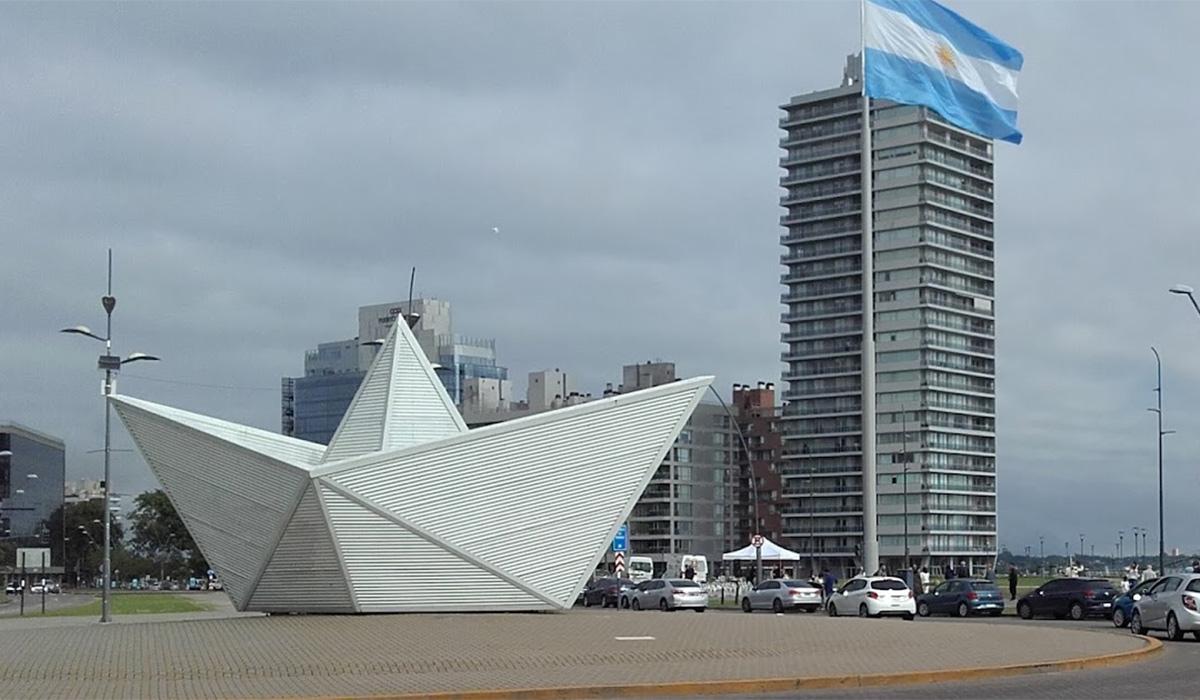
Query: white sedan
x=873 y=596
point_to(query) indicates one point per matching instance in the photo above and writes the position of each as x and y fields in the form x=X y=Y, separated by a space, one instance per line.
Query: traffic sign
x=621 y=541
x=757 y=541
x=620 y=565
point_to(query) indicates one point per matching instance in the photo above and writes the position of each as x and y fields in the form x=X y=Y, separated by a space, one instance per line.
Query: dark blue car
x=962 y=597
x=1123 y=605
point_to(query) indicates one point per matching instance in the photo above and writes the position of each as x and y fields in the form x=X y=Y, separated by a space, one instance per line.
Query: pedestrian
x=689 y=573
x=1148 y=573
x=947 y=571
x=829 y=581
x=1012 y=582
x=1196 y=566
x=924 y=579
x=963 y=571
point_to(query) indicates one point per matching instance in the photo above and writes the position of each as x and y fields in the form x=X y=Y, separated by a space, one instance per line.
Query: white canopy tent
x=770 y=552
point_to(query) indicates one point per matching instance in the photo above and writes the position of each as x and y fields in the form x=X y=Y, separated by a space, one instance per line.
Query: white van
x=678 y=563
x=641 y=569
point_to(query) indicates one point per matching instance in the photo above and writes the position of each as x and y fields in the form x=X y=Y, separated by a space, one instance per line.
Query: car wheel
x=777 y=606
x=1077 y=611
x=1118 y=618
x=1025 y=611
x=831 y=610
x=587 y=602
x=635 y=604
x=624 y=602
x=963 y=610
x=864 y=611
x=1173 y=632
x=1135 y=623
x=662 y=604
x=746 y=607
x=923 y=609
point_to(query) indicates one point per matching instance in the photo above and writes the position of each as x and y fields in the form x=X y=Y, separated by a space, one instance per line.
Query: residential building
x=934 y=331
x=312 y=406
x=32 y=474
x=758 y=417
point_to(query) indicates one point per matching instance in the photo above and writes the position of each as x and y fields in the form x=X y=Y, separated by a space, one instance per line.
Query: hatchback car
x=1172 y=604
x=1075 y=597
x=873 y=596
x=782 y=594
x=1123 y=605
x=961 y=597
x=606 y=592
x=669 y=594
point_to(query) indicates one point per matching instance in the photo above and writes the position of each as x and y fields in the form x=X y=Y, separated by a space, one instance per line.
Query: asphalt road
x=1172 y=673
x=33 y=603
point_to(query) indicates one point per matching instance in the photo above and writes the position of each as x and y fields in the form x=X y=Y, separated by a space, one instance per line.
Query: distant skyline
x=263 y=171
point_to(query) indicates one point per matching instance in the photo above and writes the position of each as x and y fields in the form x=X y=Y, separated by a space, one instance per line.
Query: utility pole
x=1161 y=433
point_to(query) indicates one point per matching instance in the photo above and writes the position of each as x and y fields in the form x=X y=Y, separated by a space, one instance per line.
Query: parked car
x=669 y=594
x=606 y=592
x=1172 y=604
x=1077 y=597
x=962 y=597
x=873 y=596
x=215 y=585
x=12 y=589
x=782 y=594
x=1123 y=605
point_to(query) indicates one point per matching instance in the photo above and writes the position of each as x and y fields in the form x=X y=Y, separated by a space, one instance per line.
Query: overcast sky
x=263 y=170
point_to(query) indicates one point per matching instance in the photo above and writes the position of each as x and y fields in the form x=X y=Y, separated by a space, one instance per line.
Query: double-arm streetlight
x=1188 y=292
x=111 y=364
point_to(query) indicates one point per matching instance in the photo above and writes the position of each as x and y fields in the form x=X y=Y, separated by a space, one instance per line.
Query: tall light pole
x=111 y=364
x=1161 y=433
x=1120 y=544
x=1081 y=545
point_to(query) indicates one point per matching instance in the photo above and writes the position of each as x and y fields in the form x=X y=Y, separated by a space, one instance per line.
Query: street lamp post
x=1161 y=433
x=1081 y=546
x=1120 y=544
x=1188 y=292
x=110 y=364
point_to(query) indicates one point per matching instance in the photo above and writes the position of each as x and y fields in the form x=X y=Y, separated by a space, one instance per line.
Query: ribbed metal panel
x=361 y=429
x=233 y=501
x=557 y=484
x=401 y=402
x=281 y=447
x=394 y=570
x=305 y=572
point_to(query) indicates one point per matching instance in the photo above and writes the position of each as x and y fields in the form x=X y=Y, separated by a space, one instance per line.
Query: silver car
x=1172 y=604
x=669 y=594
x=782 y=594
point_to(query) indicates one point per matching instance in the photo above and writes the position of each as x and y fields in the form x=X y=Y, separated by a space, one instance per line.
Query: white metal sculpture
x=406 y=510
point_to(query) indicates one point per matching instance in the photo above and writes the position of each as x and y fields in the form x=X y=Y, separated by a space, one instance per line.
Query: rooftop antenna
x=412 y=317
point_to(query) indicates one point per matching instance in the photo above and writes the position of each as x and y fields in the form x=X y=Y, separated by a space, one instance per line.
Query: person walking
x=1012 y=582
x=829 y=581
x=924 y=579
x=689 y=573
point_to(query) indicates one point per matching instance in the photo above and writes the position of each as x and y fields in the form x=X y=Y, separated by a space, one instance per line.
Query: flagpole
x=870 y=534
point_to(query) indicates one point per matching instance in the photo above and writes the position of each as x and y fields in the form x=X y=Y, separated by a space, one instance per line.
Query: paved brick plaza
x=286 y=656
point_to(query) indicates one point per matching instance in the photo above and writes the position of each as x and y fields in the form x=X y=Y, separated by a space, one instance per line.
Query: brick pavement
x=290 y=656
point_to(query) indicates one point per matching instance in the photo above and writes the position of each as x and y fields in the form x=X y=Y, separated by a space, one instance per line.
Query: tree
x=82 y=525
x=159 y=533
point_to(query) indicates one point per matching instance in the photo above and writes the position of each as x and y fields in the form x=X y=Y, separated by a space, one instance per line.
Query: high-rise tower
x=934 y=332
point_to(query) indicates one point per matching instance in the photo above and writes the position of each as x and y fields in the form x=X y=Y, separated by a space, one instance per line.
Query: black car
x=606 y=592
x=1076 y=597
x=962 y=597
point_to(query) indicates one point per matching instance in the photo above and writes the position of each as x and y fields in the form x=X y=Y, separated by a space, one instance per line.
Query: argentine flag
x=919 y=52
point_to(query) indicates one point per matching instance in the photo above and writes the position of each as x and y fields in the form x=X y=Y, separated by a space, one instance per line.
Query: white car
x=669 y=594
x=873 y=596
x=782 y=594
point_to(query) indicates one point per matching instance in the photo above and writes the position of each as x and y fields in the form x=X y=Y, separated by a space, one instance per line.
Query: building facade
x=934 y=332
x=32 y=476
x=759 y=478
x=312 y=406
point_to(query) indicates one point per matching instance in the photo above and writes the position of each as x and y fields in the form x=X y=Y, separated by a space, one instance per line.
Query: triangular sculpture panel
x=407 y=510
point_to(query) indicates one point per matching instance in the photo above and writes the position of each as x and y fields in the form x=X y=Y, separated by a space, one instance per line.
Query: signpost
x=620 y=545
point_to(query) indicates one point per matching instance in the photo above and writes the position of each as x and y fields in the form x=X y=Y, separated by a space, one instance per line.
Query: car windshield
x=796 y=583
x=641 y=566
x=683 y=583
x=889 y=584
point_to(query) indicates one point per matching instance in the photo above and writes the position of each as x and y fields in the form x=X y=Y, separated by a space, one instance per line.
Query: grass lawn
x=138 y=604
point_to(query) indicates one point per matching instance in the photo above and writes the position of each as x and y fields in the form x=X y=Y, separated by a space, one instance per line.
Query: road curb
x=777 y=685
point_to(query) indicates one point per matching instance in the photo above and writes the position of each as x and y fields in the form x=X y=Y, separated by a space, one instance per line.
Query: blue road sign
x=621 y=541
